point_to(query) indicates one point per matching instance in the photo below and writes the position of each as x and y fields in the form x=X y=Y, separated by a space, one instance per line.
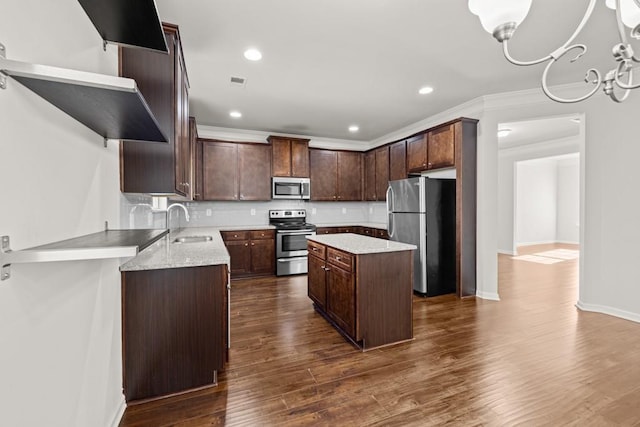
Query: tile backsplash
x=136 y=212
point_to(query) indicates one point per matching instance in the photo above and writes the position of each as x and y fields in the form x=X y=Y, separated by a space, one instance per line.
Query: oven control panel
x=287 y=213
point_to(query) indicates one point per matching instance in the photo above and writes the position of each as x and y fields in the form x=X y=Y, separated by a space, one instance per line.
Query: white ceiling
x=538 y=130
x=332 y=63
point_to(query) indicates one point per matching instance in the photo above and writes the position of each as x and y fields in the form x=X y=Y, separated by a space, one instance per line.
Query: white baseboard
x=616 y=312
x=567 y=242
x=505 y=252
x=117 y=417
x=491 y=296
x=542 y=242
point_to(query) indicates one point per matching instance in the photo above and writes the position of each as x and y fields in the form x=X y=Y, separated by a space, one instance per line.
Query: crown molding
x=244 y=135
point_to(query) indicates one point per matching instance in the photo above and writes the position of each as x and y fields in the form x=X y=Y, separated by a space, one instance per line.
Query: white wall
x=507 y=159
x=60 y=357
x=536 y=201
x=609 y=232
x=568 y=214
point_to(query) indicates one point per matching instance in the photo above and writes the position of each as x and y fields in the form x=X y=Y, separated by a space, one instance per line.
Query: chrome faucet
x=168 y=220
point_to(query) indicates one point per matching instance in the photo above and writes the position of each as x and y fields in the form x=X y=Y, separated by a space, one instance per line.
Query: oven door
x=292 y=243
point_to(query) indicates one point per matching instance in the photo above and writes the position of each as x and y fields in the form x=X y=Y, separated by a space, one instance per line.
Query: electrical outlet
x=253 y=212
x=344 y=210
x=208 y=212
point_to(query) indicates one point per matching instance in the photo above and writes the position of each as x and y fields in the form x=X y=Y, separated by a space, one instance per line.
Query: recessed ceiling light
x=503 y=132
x=253 y=54
x=354 y=128
x=235 y=114
x=425 y=90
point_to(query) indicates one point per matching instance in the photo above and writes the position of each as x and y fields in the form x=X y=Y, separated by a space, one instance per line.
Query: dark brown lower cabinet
x=252 y=252
x=174 y=330
x=367 y=297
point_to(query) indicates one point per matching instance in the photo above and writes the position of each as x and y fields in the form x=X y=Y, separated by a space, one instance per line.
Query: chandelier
x=502 y=17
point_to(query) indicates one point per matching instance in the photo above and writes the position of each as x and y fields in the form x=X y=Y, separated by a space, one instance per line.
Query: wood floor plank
x=530 y=359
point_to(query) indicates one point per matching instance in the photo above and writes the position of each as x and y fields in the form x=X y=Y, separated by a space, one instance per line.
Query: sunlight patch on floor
x=550 y=257
x=538 y=259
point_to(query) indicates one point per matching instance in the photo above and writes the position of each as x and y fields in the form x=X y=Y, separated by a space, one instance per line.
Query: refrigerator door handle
x=389 y=196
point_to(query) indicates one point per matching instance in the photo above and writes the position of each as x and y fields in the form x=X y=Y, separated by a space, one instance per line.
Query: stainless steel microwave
x=290 y=188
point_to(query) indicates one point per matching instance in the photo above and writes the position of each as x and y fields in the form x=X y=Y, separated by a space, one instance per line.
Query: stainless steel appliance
x=422 y=211
x=291 y=242
x=290 y=188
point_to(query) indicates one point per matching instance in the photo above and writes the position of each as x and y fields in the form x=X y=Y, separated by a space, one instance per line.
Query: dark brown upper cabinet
x=435 y=149
x=234 y=171
x=335 y=175
x=376 y=174
x=417 y=153
x=441 y=147
x=370 y=176
x=290 y=156
x=162 y=79
x=398 y=160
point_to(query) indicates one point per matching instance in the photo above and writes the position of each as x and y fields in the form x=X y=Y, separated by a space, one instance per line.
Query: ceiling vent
x=238 y=81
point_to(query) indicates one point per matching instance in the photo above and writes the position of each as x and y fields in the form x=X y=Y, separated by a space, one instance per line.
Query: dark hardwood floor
x=530 y=359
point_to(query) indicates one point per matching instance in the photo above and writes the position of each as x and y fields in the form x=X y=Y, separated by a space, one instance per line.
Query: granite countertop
x=379 y=225
x=166 y=254
x=357 y=244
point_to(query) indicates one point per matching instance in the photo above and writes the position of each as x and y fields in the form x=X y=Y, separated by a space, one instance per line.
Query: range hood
x=111 y=106
x=128 y=22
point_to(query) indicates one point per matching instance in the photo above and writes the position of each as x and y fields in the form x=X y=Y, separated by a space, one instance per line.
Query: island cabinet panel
x=174 y=330
x=290 y=156
x=398 y=161
x=367 y=297
x=341 y=299
x=317 y=289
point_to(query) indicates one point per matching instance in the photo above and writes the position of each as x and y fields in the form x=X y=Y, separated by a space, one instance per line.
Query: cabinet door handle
x=253 y=244
x=338 y=258
x=314 y=249
x=235 y=235
x=246 y=244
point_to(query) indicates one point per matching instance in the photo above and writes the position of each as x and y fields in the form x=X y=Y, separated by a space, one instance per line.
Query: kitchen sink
x=193 y=239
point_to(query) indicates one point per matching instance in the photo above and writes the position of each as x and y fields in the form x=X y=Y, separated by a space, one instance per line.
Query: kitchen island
x=175 y=314
x=363 y=286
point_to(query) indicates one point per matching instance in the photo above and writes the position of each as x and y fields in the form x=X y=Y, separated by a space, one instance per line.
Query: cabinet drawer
x=262 y=234
x=381 y=234
x=339 y=258
x=316 y=249
x=234 y=235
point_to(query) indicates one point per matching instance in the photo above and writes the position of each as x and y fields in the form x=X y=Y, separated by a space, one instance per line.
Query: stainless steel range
x=291 y=241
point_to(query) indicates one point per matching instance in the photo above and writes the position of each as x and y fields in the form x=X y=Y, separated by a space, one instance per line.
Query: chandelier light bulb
x=494 y=13
x=630 y=12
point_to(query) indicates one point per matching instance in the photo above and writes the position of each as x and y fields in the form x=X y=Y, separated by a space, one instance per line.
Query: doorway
x=540 y=207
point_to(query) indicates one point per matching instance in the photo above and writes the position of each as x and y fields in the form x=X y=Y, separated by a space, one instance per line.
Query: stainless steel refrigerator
x=422 y=211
